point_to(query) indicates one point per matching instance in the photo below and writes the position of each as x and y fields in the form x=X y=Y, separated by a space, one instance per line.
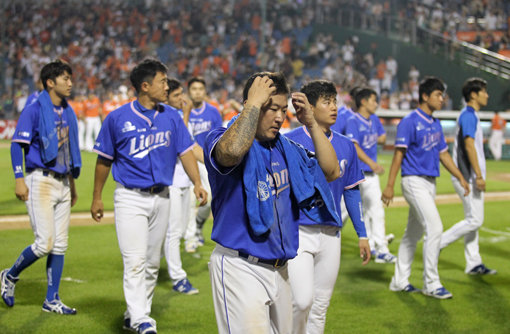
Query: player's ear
x=144 y=86
x=50 y=83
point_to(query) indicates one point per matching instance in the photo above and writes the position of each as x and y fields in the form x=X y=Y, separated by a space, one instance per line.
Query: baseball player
x=180 y=206
x=93 y=111
x=203 y=118
x=142 y=140
x=313 y=272
x=259 y=181
x=419 y=147
x=366 y=131
x=469 y=157
x=344 y=113
x=47 y=133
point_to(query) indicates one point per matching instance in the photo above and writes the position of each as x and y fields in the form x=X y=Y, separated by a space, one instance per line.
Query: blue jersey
x=32 y=98
x=27 y=132
x=468 y=125
x=350 y=172
x=202 y=121
x=423 y=138
x=344 y=113
x=365 y=132
x=231 y=226
x=143 y=144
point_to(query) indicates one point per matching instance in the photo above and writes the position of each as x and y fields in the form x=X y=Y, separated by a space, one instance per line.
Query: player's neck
x=426 y=109
x=364 y=112
x=147 y=102
x=197 y=105
x=55 y=98
x=474 y=105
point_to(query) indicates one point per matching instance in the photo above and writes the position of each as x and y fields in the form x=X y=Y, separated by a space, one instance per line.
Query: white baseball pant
x=468 y=227
x=343 y=210
x=203 y=211
x=249 y=298
x=419 y=193
x=179 y=220
x=49 y=209
x=496 y=141
x=373 y=212
x=312 y=274
x=81 y=134
x=92 y=127
x=141 y=221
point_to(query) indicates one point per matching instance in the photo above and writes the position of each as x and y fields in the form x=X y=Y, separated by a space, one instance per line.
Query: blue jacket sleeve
x=352 y=199
x=17 y=159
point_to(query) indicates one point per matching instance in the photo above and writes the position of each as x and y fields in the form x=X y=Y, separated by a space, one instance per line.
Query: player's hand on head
x=387 y=195
x=97 y=210
x=260 y=91
x=364 y=251
x=21 y=190
x=303 y=109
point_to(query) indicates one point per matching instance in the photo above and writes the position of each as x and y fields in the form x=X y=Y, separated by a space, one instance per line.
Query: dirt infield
x=84 y=219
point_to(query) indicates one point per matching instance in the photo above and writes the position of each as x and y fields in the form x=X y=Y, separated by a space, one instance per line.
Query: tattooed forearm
x=237 y=140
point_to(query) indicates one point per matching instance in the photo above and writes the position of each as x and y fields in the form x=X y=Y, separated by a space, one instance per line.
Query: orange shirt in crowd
x=77 y=107
x=109 y=106
x=498 y=123
x=92 y=107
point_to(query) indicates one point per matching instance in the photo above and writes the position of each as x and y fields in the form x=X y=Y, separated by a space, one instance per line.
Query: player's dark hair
x=354 y=90
x=173 y=84
x=363 y=93
x=53 y=70
x=316 y=89
x=145 y=72
x=196 y=79
x=279 y=82
x=473 y=85
x=428 y=85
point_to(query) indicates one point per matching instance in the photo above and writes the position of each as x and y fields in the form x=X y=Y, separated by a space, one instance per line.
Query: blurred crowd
x=223 y=41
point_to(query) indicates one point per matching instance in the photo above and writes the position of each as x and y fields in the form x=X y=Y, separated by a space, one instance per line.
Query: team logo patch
x=343 y=166
x=128 y=127
x=263 y=191
x=24 y=134
x=420 y=126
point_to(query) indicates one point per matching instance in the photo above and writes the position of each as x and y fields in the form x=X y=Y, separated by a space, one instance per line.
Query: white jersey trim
x=355 y=184
x=21 y=141
x=109 y=157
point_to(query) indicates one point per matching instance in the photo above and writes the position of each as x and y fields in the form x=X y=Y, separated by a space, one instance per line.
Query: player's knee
x=44 y=246
x=302 y=305
x=475 y=223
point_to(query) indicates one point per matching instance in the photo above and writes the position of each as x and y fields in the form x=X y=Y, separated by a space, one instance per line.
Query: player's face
x=371 y=104
x=325 y=111
x=197 y=92
x=434 y=100
x=175 y=98
x=482 y=98
x=271 y=118
x=62 y=85
x=157 y=90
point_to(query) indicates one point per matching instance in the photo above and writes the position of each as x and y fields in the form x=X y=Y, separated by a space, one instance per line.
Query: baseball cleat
x=480 y=269
x=385 y=258
x=7 y=286
x=389 y=238
x=200 y=237
x=439 y=293
x=409 y=288
x=184 y=286
x=127 y=325
x=58 y=307
x=190 y=246
x=146 y=328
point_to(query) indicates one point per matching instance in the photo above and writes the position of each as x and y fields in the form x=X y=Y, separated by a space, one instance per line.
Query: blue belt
x=273 y=263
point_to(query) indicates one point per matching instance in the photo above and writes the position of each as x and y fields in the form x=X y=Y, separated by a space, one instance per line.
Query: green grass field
x=361 y=302
x=498 y=179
